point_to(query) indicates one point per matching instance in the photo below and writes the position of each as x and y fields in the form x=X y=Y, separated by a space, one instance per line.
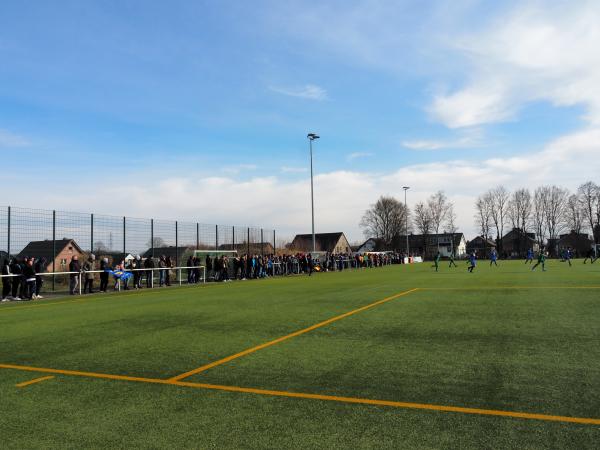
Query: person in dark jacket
x=209 y=266
x=15 y=269
x=74 y=266
x=29 y=277
x=88 y=267
x=104 y=266
x=39 y=267
x=149 y=264
x=6 y=281
x=169 y=265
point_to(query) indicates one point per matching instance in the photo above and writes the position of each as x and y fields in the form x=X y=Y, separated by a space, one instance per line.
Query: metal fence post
x=248 y=241
x=53 y=250
x=92 y=233
x=8 y=236
x=274 y=244
x=262 y=247
x=197 y=236
x=216 y=237
x=232 y=238
x=152 y=241
x=124 y=239
x=177 y=250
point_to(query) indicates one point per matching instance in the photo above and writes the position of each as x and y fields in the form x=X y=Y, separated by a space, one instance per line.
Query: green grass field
x=501 y=358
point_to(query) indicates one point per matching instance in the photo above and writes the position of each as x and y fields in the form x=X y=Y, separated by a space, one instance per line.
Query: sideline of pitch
x=308 y=396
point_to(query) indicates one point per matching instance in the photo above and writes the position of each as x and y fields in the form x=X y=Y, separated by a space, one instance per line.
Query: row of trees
x=547 y=211
x=389 y=218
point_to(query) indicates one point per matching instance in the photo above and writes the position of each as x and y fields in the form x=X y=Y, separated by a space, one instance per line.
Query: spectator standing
x=88 y=267
x=149 y=265
x=40 y=268
x=169 y=265
x=104 y=275
x=15 y=269
x=29 y=277
x=74 y=266
x=6 y=281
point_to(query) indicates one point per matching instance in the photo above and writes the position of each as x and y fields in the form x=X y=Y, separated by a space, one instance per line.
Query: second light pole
x=311 y=137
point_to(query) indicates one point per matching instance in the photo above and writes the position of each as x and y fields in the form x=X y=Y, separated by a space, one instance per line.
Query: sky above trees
x=200 y=110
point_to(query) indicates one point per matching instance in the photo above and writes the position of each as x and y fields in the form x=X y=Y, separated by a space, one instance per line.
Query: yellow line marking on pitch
x=479 y=288
x=332 y=398
x=288 y=336
x=37 y=380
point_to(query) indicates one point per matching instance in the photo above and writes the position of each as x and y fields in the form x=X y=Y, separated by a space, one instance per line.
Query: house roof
x=518 y=232
x=323 y=241
x=480 y=240
x=170 y=251
x=242 y=247
x=44 y=249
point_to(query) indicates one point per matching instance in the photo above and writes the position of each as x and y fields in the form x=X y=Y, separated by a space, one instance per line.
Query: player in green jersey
x=436 y=261
x=541 y=260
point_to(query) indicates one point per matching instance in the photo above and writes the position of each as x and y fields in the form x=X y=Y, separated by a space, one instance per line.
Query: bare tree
x=499 y=196
x=556 y=203
x=589 y=197
x=422 y=219
x=450 y=224
x=385 y=219
x=539 y=215
x=483 y=216
x=438 y=206
x=574 y=214
x=519 y=209
x=157 y=242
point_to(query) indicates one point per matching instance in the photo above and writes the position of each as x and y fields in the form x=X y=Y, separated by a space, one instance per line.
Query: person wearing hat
x=88 y=267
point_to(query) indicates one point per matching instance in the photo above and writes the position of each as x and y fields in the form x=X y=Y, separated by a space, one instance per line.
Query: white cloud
x=8 y=139
x=356 y=155
x=288 y=169
x=341 y=197
x=536 y=52
x=309 y=91
x=238 y=168
x=474 y=138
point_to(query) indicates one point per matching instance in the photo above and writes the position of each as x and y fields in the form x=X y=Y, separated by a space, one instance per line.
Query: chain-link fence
x=56 y=236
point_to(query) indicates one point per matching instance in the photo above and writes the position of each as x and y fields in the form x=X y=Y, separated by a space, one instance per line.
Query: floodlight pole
x=406 y=188
x=311 y=137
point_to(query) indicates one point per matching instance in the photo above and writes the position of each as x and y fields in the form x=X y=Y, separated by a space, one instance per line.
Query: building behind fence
x=118 y=237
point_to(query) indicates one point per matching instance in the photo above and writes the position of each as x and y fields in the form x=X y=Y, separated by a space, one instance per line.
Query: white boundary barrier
x=80 y=275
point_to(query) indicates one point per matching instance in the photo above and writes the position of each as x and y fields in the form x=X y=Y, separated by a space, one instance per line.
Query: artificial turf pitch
x=501 y=358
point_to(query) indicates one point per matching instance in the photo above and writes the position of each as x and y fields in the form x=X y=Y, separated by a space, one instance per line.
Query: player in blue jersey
x=529 y=258
x=494 y=257
x=567 y=255
x=472 y=262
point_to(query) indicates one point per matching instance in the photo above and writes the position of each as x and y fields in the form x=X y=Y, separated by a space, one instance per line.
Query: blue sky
x=199 y=110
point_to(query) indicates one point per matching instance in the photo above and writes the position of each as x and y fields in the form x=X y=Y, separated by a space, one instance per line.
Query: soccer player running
x=436 y=261
x=472 y=262
x=541 y=260
x=452 y=263
x=529 y=258
x=590 y=255
x=568 y=255
x=494 y=257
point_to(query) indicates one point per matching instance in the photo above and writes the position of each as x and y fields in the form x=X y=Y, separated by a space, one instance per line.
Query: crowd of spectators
x=23 y=280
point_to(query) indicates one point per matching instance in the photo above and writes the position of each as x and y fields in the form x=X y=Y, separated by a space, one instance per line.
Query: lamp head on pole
x=312 y=136
x=406 y=188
